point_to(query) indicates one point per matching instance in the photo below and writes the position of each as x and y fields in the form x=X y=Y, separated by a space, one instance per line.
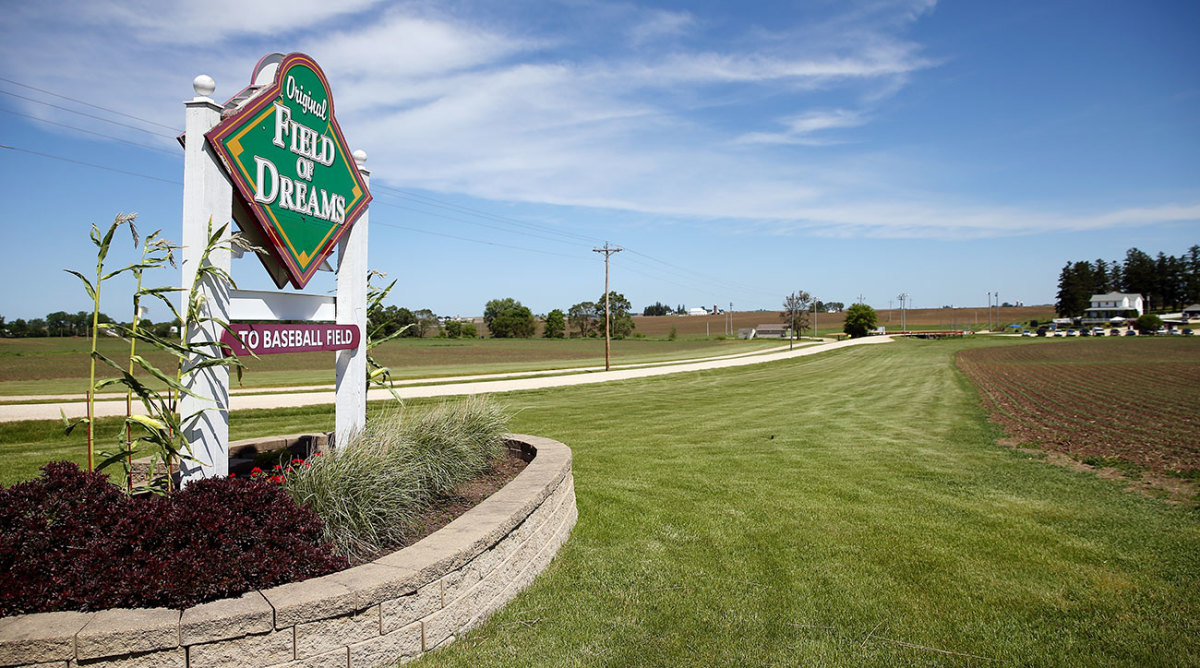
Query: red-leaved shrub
x=70 y=540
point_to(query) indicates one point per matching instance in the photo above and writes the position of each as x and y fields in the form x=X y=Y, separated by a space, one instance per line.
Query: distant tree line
x=61 y=323
x=1165 y=282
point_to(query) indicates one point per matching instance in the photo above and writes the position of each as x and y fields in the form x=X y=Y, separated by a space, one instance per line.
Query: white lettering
x=262 y=166
x=296 y=92
x=283 y=124
x=285 y=194
x=328 y=151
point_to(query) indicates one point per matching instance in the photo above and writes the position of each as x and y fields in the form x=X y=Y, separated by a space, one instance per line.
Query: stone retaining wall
x=395 y=608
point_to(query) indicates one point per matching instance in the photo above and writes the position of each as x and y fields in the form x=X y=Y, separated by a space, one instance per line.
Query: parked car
x=1059 y=332
x=1114 y=332
x=1072 y=332
x=1097 y=331
x=1131 y=332
x=1043 y=330
x=1187 y=331
x=1162 y=331
x=1027 y=333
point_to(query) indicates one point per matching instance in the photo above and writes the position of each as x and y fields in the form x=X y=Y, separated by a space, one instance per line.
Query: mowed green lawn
x=844 y=509
x=60 y=365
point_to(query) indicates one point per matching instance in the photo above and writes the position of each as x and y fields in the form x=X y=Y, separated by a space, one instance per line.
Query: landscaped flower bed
x=71 y=540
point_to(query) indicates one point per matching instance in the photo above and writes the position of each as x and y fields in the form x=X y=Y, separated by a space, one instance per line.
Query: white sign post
x=208 y=194
x=351 y=414
x=207 y=197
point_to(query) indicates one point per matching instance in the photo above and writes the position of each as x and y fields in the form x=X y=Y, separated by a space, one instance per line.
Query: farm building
x=771 y=331
x=1111 y=305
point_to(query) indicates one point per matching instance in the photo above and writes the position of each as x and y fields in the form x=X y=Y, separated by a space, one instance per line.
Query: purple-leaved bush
x=70 y=540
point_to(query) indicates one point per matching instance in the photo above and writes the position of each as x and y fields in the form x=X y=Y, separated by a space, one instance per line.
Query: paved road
x=511 y=383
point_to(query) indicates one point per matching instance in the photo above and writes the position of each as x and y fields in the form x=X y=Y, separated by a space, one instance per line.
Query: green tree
x=621 y=320
x=384 y=321
x=427 y=322
x=582 y=317
x=1149 y=323
x=515 y=322
x=795 y=310
x=495 y=307
x=556 y=325
x=658 y=308
x=1075 y=284
x=860 y=320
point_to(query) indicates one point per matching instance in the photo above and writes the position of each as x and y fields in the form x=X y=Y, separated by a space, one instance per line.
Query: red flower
x=255 y=471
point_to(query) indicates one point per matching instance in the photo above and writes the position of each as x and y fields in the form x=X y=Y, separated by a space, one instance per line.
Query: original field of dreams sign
x=285 y=153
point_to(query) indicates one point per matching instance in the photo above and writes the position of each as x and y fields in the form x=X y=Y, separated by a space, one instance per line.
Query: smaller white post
x=352 y=270
x=207 y=197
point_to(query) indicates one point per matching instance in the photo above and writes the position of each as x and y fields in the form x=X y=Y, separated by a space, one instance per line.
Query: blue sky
x=737 y=151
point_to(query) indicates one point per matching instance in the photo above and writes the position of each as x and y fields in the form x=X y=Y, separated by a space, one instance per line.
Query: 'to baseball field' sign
x=285 y=152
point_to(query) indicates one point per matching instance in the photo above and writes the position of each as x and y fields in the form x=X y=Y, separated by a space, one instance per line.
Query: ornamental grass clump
x=371 y=492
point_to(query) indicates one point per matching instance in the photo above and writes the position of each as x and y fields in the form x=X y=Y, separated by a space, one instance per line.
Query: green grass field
x=60 y=365
x=845 y=509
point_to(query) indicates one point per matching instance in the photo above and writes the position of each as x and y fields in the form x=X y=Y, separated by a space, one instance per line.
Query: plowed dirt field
x=1129 y=400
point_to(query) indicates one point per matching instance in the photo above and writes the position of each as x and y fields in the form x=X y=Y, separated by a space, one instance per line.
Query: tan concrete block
x=256 y=650
x=310 y=600
x=125 y=631
x=484 y=596
x=374 y=583
x=401 y=644
x=228 y=618
x=51 y=664
x=44 y=636
x=446 y=622
x=336 y=659
x=326 y=635
x=168 y=658
x=456 y=583
x=405 y=610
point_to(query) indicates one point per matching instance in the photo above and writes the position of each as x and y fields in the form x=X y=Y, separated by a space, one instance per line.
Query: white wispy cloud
x=449 y=103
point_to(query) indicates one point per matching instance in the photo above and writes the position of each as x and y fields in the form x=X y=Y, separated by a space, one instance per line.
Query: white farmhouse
x=1113 y=305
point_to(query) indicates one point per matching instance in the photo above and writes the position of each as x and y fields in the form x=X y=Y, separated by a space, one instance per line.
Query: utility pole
x=814 y=322
x=608 y=251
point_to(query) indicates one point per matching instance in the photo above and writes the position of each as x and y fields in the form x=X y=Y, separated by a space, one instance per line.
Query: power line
x=472 y=222
x=474 y=241
x=89 y=164
x=433 y=201
x=90 y=104
x=91 y=132
x=92 y=116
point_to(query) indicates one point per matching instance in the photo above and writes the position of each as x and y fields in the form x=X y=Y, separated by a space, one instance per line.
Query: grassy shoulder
x=844 y=509
x=60 y=365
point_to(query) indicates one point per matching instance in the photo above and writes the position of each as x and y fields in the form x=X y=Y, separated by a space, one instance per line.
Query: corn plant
x=377 y=374
x=160 y=428
x=102 y=242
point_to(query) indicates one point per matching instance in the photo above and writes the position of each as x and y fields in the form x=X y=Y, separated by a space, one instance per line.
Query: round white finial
x=360 y=156
x=204 y=85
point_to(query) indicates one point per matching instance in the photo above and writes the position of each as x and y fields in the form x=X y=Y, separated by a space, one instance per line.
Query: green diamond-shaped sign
x=285 y=152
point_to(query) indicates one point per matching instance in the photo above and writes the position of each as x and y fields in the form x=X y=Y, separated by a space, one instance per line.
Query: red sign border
x=299 y=277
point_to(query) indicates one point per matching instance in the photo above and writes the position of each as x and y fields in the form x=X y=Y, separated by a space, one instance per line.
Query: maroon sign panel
x=275 y=339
